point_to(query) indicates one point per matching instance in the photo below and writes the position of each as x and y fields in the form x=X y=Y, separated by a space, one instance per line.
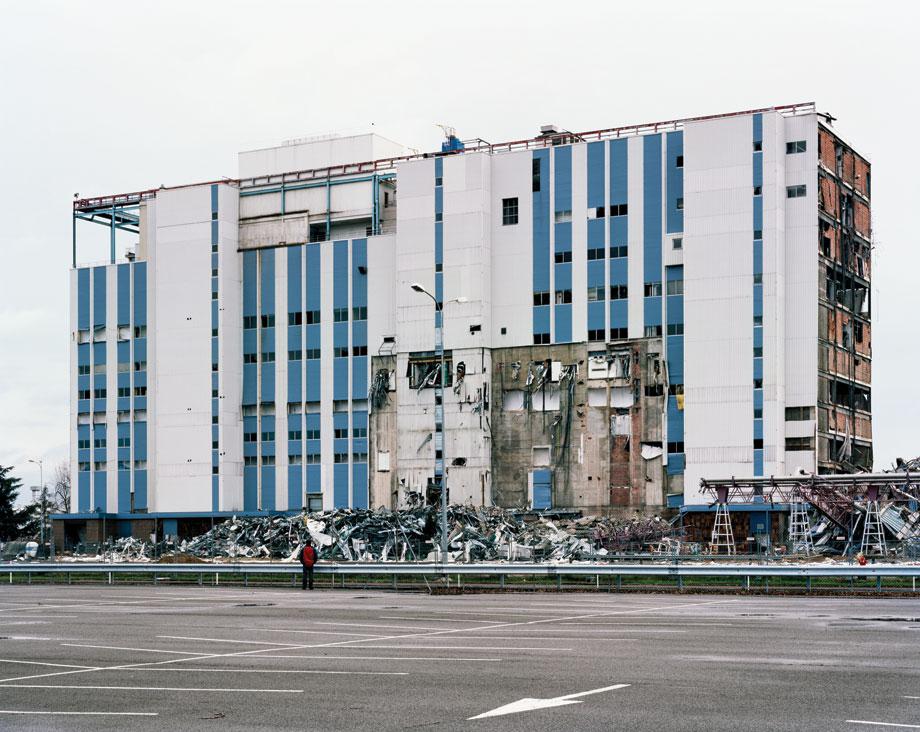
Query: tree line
x=25 y=523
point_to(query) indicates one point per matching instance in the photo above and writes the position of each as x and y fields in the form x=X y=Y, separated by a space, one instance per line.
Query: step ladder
x=799 y=527
x=873 y=538
x=722 y=536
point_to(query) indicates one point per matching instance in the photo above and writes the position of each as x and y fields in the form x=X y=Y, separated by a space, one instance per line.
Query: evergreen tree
x=11 y=518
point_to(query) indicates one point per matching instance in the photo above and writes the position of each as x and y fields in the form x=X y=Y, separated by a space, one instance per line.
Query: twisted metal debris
x=475 y=534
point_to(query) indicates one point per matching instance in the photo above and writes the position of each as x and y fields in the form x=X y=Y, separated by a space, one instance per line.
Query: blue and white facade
x=229 y=367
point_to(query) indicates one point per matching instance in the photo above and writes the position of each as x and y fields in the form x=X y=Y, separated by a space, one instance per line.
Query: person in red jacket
x=308 y=559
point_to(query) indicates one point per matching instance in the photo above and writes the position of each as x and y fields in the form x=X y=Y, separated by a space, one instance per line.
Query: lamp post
x=439 y=397
x=41 y=480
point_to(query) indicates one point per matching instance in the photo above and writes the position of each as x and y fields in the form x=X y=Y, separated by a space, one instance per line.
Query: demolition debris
x=475 y=534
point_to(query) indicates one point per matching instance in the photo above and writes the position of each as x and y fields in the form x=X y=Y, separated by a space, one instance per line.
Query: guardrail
x=679 y=576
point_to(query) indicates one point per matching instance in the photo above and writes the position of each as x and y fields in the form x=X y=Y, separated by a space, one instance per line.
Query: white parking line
x=122 y=648
x=375 y=625
x=227 y=640
x=912 y=697
x=884 y=724
x=370 y=636
x=82 y=714
x=149 y=688
x=45 y=663
x=264 y=671
x=388 y=658
x=473 y=648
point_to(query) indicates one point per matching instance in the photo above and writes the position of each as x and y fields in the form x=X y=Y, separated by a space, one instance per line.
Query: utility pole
x=43 y=494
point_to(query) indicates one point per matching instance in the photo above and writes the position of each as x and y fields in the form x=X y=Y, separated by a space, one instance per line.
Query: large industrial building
x=622 y=313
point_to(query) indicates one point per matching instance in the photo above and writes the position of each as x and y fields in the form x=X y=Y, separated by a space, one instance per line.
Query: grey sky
x=105 y=97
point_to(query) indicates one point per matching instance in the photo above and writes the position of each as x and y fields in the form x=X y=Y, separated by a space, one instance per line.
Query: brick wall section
x=826 y=149
x=862 y=172
x=828 y=198
x=861 y=218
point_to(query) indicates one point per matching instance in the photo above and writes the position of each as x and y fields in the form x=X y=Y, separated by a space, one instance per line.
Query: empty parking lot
x=199 y=658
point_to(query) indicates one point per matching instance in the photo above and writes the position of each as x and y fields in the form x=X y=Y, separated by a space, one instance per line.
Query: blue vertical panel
x=98 y=297
x=651 y=217
x=294 y=332
x=295 y=487
x=619 y=271
x=267 y=276
x=360 y=364
x=675 y=182
x=124 y=491
x=295 y=392
x=123 y=294
x=314 y=374
x=267 y=307
x=215 y=489
x=314 y=479
x=542 y=489
x=541 y=253
x=140 y=490
x=100 y=491
x=563 y=324
x=340 y=329
x=83 y=492
x=268 y=488
x=140 y=295
x=359 y=485
x=140 y=440
x=250 y=282
x=268 y=382
x=250 y=488
x=619 y=171
x=562 y=201
x=83 y=298
x=359 y=377
x=562 y=178
x=340 y=274
x=340 y=485
x=596 y=191
x=340 y=378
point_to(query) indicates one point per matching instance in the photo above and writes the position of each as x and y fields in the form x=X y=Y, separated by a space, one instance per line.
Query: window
x=562 y=257
x=124 y=465
x=679 y=163
x=758 y=351
x=540 y=339
x=124 y=391
x=140 y=331
x=214 y=247
x=652 y=289
x=312 y=458
x=249 y=321
x=359 y=350
x=619 y=252
x=359 y=457
x=595 y=294
x=340 y=457
x=618 y=334
x=359 y=313
x=295 y=318
x=313 y=433
x=540 y=298
x=620 y=209
x=99 y=393
x=680 y=204
x=758 y=412
x=215 y=444
x=677 y=243
x=596 y=335
x=140 y=391
x=758 y=234
x=439 y=216
x=799 y=414
x=535 y=175
x=215 y=469
x=340 y=352
x=758 y=383
x=214 y=332
x=799 y=146
x=213 y=271
x=99 y=368
x=268 y=321
x=652 y=331
x=618 y=292
x=563 y=216
x=795 y=191
x=99 y=465
x=595 y=254
x=758 y=190
x=758 y=146
x=858 y=331
x=268 y=356
x=599 y=212
x=83 y=370
x=140 y=365
x=313 y=317
x=758 y=443
x=675 y=328
x=295 y=459
x=654 y=390
x=214 y=366
x=250 y=436
x=140 y=464
x=359 y=432
x=268 y=460
x=295 y=355
x=99 y=442
x=214 y=294
x=83 y=393
x=268 y=437
x=798 y=444
x=758 y=279
x=83 y=467
x=214 y=394
x=312 y=354
x=249 y=358
x=250 y=460
x=509 y=211
x=83 y=444
x=563 y=297
x=317 y=232
x=758 y=320
x=675 y=287
x=675 y=447
x=340 y=315
x=425 y=372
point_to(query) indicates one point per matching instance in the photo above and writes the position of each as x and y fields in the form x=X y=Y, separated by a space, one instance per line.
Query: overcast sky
x=106 y=97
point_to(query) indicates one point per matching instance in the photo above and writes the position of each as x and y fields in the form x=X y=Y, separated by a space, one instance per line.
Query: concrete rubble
x=475 y=534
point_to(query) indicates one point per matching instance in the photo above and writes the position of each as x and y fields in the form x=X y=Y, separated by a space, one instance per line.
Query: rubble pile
x=474 y=534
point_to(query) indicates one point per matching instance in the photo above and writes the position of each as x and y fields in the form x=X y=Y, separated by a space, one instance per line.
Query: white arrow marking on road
x=528 y=705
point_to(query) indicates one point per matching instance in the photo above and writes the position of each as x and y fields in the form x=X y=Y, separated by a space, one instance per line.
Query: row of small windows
x=311 y=317
x=84 y=467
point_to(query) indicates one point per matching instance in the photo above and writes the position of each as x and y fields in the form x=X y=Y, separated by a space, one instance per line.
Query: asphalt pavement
x=200 y=658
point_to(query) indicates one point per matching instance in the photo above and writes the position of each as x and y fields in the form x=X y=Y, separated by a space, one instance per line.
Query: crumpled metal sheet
x=475 y=534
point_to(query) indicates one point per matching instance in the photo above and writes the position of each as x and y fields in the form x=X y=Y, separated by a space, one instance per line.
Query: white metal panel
x=317 y=153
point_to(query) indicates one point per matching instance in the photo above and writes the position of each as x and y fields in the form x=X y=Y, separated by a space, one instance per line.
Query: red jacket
x=308 y=556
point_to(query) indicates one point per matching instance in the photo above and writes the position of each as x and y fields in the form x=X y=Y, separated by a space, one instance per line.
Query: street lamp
x=41 y=479
x=439 y=397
